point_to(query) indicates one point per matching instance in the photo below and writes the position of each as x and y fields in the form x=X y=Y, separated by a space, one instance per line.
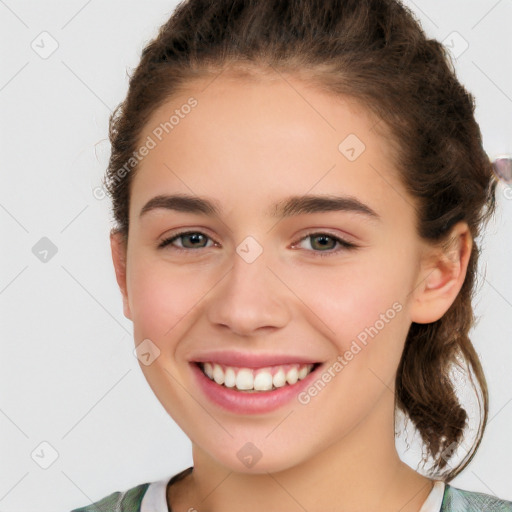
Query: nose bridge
x=250 y=296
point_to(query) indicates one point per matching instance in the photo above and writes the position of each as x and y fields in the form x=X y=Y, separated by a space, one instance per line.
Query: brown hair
x=374 y=51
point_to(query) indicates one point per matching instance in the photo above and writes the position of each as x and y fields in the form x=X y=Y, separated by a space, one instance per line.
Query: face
x=326 y=287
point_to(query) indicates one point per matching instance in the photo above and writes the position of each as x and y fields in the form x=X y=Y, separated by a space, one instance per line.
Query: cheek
x=161 y=296
x=360 y=306
x=363 y=306
x=350 y=298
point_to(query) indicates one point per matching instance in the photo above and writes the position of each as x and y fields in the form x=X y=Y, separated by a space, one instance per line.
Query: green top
x=128 y=501
x=454 y=500
x=458 y=500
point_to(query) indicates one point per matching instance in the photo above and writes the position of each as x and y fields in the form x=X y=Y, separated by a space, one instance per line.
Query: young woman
x=297 y=187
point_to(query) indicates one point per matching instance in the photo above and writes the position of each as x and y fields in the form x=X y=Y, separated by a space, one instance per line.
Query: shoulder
x=459 y=500
x=126 y=501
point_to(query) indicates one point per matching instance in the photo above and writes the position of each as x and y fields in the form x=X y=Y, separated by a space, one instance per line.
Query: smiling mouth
x=256 y=380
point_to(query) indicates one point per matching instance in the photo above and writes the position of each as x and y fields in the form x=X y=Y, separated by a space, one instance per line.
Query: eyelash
x=343 y=243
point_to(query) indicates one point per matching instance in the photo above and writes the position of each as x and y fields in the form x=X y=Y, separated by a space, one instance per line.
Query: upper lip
x=250 y=360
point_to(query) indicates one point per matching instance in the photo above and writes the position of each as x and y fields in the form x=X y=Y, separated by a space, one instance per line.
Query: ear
x=118 y=246
x=442 y=275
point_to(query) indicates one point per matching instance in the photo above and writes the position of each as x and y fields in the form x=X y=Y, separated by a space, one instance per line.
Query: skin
x=248 y=144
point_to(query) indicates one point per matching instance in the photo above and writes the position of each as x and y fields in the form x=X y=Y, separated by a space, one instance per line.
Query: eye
x=192 y=239
x=321 y=240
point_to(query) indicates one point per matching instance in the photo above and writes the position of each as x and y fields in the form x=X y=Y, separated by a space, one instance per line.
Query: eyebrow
x=291 y=206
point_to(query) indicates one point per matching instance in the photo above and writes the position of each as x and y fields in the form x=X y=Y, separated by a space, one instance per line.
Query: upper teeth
x=261 y=379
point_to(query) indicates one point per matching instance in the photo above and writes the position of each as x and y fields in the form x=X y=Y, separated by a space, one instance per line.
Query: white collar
x=155 y=497
x=434 y=499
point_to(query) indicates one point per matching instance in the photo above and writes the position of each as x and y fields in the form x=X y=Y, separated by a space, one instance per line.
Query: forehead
x=253 y=141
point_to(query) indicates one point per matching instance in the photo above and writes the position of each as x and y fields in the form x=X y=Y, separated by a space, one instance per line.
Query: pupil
x=195 y=237
x=323 y=240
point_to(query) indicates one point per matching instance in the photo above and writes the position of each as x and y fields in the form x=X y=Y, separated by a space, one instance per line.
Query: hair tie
x=502 y=166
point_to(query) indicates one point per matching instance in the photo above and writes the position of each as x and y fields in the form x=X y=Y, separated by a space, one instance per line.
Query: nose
x=250 y=299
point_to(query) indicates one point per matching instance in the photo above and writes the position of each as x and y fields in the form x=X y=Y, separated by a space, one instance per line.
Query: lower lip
x=250 y=403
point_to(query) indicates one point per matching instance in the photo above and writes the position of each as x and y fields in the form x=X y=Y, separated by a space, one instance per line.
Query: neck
x=360 y=471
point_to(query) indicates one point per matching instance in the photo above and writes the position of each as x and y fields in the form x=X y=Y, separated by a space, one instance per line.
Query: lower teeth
x=254 y=390
x=248 y=390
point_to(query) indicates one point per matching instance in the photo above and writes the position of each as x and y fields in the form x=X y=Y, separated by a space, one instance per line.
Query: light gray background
x=69 y=377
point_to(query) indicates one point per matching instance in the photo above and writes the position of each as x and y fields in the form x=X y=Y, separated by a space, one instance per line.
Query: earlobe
x=118 y=248
x=441 y=279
